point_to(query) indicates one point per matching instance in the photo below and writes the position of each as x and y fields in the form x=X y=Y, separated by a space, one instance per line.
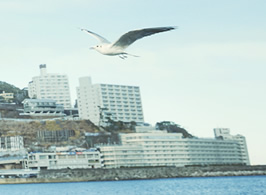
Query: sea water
x=200 y=185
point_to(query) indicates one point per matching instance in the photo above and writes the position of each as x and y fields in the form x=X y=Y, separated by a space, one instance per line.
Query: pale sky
x=208 y=73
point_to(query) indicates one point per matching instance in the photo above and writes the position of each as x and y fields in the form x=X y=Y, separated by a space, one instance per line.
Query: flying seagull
x=118 y=47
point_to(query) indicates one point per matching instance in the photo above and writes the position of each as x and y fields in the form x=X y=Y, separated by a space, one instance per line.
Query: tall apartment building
x=97 y=102
x=158 y=148
x=50 y=86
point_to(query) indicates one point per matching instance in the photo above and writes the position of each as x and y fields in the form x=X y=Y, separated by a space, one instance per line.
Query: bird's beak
x=92 y=47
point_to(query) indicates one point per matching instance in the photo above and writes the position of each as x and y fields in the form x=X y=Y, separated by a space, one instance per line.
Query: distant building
x=50 y=86
x=98 y=102
x=73 y=112
x=63 y=160
x=159 y=148
x=11 y=143
x=224 y=133
x=42 y=107
x=7 y=96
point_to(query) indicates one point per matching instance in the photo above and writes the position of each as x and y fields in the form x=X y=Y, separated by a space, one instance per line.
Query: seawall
x=78 y=175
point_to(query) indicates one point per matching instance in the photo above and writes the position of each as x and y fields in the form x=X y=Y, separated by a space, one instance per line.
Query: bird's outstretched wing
x=100 y=38
x=130 y=37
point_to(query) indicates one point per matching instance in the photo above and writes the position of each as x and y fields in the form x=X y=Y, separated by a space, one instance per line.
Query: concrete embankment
x=78 y=175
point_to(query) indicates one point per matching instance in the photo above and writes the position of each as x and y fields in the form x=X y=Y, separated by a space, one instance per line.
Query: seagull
x=118 y=48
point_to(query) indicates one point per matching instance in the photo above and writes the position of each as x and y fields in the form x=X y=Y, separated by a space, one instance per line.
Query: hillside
x=19 y=95
x=29 y=131
x=8 y=88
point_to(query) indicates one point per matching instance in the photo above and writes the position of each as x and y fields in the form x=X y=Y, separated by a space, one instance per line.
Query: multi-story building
x=97 y=102
x=224 y=133
x=42 y=107
x=50 y=86
x=116 y=156
x=159 y=148
x=11 y=143
x=7 y=96
x=63 y=160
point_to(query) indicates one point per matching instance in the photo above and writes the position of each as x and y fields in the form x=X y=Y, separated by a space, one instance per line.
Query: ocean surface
x=205 y=185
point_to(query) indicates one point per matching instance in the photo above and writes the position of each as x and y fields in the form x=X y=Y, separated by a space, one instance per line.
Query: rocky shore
x=78 y=175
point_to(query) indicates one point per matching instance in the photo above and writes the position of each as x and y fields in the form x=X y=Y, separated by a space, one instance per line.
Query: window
x=81 y=156
x=71 y=156
x=43 y=157
x=62 y=156
x=51 y=156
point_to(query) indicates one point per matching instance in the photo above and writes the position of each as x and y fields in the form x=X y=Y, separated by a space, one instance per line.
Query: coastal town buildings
x=50 y=86
x=159 y=148
x=145 y=148
x=98 y=102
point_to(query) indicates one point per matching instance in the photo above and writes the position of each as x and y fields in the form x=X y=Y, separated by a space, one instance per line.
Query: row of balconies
x=166 y=139
x=179 y=160
x=34 y=163
x=158 y=145
x=144 y=157
x=161 y=145
x=209 y=150
x=112 y=164
x=163 y=151
x=43 y=109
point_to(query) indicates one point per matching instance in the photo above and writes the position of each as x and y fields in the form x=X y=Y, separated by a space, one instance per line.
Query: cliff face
x=29 y=130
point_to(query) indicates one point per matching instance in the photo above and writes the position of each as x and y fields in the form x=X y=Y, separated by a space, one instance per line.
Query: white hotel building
x=158 y=148
x=119 y=102
x=50 y=86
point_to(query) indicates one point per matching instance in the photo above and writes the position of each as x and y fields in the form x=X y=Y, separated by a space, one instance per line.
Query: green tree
x=171 y=127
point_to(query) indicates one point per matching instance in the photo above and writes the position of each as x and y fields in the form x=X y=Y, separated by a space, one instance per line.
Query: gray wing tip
x=165 y=28
x=171 y=27
x=83 y=29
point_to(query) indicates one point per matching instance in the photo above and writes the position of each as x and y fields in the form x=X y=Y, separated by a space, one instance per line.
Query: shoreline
x=85 y=175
